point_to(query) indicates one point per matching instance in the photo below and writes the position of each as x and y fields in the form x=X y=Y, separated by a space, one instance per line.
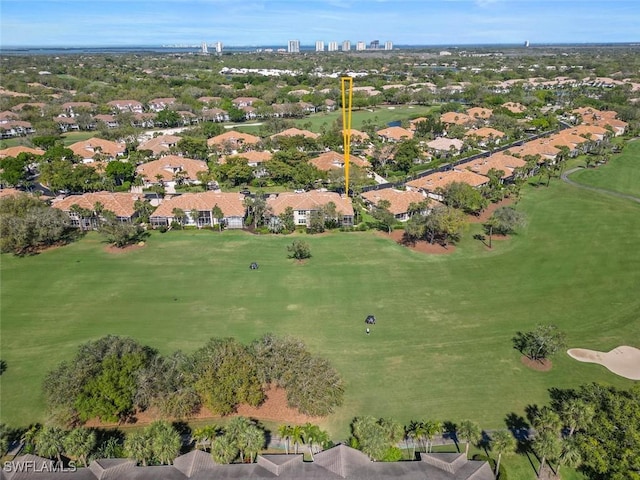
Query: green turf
x=621 y=174
x=441 y=347
x=380 y=115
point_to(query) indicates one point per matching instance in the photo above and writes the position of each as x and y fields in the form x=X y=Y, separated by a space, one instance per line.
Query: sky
x=52 y=23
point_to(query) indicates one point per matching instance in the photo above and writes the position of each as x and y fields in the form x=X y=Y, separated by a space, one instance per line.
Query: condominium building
x=319 y=46
x=293 y=46
x=360 y=46
x=346 y=46
x=333 y=46
x=388 y=45
x=219 y=46
x=374 y=45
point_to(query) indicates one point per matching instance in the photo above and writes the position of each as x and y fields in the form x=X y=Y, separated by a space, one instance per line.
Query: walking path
x=565 y=178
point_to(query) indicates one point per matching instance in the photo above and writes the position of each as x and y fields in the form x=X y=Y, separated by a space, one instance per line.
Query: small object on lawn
x=370 y=320
x=253 y=266
x=368 y=331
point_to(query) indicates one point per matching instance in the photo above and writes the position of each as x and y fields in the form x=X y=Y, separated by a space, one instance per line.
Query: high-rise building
x=374 y=45
x=204 y=48
x=360 y=46
x=219 y=48
x=320 y=46
x=293 y=46
x=388 y=45
x=333 y=46
x=346 y=46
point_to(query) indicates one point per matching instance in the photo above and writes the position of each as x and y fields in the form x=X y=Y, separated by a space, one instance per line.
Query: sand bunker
x=623 y=361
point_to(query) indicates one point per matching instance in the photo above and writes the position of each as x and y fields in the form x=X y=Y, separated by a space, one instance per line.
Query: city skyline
x=262 y=22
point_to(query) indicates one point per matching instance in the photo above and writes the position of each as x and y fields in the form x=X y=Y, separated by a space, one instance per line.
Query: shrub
x=393 y=454
x=299 y=250
x=162 y=228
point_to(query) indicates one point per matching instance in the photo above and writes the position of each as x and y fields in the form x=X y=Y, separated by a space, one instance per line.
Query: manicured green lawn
x=441 y=348
x=621 y=174
x=384 y=115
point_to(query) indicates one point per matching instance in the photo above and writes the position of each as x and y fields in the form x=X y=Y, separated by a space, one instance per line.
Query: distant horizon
x=126 y=23
x=312 y=45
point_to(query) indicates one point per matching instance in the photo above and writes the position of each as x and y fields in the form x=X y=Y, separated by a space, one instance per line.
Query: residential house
x=399 y=200
x=215 y=115
x=94 y=148
x=8 y=116
x=498 y=161
x=160 y=144
x=395 y=134
x=335 y=161
x=159 y=104
x=231 y=204
x=591 y=132
x=66 y=124
x=575 y=143
x=541 y=147
x=479 y=113
x=330 y=105
x=122 y=204
x=294 y=132
x=446 y=145
x=514 y=107
x=455 y=118
x=338 y=462
x=15 y=128
x=144 y=120
x=15 y=151
x=171 y=169
x=357 y=137
x=132 y=106
x=210 y=100
x=485 y=136
x=73 y=109
x=109 y=120
x=432 y=184
x=233 y=140
x=244 y=101
x=304 y=203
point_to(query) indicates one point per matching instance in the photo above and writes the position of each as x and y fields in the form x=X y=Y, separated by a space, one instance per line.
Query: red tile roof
x=311 y=200
x=120 y=203
x=293 y=132
x=231 y=204
x=432 y=182
x=15 y=151
x=169 y=165
x=395 y=133
x=399 y=199
x=235 y=138
x=334 y=161
x=88 y=148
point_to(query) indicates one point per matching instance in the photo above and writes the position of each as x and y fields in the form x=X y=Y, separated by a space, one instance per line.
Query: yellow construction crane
x=346 y=84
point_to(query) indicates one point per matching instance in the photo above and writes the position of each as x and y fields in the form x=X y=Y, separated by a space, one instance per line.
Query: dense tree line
x=114 y=377
x=28 y=224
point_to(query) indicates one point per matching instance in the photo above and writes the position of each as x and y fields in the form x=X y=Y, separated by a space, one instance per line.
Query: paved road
x=565 y=177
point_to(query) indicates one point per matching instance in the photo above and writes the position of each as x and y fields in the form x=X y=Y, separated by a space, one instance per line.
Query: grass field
x=621 y=174
x=384 y=115
x=442 y=345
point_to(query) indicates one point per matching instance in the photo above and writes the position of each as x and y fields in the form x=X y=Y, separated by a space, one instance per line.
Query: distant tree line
x=114 y=377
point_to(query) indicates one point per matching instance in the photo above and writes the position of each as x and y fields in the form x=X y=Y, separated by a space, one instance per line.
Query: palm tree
x=285 y=433
x=547 y=446
x=471 y=432
x=50 y=442
x=296 y=435
x=431 y=428
x=253 y=439
x=179 y=215
x=576 y=413
x=195 y=214
x=223 y=449
x=79 y=443
x=310 y=433
x=165 y=441
x=410 y=434
x=502 y=442
x=547 y=420
x=570 y=454
x=137 y=445
x=203 y=436
x=236 y=430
